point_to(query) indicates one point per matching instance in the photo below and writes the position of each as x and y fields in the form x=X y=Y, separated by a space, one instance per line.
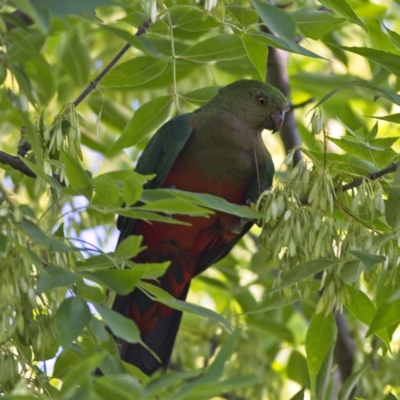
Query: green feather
x=158 y=158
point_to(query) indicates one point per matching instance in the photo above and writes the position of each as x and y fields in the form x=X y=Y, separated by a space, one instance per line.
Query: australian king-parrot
x=216 y=149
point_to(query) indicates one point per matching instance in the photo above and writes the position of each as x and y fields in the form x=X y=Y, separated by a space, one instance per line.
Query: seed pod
x=287 y=292
x=320 y=305
x=305 y=177
x=287 y=215
x=274 y=209
x=289 y=158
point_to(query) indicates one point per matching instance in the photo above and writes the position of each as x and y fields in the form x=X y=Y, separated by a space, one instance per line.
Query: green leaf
x=72 y=316
x=129 y=247
x=216 y=369
x=119 y=325
x=357 y=147
x=315 y=24
x=279 y=300
x=350 y=383
x=202 y=199
x=299 y=395
x=145 y=120
x=395 y=118
x=201 y=96
x=393 y=36
x=77 y=177
x=245 y=16
x=135 y=72
x=152 y=270
x=321 y=336
x=132 y=188
x=297 y=368
x=78 y=379
x=194 y=20
x=167 y=299
x=302 y=271
x=106 y=191
x=116 y=386
x=61 y=7
x=276 y=19
x=369 y=260
x=257 y=53
x=122 y=281
x=40 y=173
x=216 y=48
x=344 y=9
x=89 y=292
x=55 y=277
x=387 y=314
x=26 y=50
x=206 y=384
x=95 y=262
x=176 y=206
x=392 y=209
x=387 y=60
x=323 y=379
x=274 y=41
x=34 y=232
x=75 y=59
x=3 y=245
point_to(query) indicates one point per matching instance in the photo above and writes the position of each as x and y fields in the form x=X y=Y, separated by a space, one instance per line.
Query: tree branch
x=277 y=76
x=16 y=163
x=357 y=182
x=93 y=84
x=18 y=14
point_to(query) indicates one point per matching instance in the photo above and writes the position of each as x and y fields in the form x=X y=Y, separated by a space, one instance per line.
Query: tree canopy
x=306 y=305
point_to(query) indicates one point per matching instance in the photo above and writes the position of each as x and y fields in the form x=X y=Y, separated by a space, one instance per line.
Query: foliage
x=257 y=325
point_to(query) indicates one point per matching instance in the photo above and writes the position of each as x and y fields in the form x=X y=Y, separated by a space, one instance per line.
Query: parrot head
x=258 y=104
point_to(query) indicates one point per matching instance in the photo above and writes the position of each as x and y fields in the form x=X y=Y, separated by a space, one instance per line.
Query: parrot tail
x=158 y=325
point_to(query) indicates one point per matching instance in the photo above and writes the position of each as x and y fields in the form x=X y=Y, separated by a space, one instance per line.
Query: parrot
x=216 y=149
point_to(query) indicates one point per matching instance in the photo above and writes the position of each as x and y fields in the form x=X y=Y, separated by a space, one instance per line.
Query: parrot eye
x=262 y=101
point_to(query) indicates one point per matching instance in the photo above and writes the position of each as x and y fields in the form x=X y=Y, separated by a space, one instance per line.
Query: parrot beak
x=275 y=121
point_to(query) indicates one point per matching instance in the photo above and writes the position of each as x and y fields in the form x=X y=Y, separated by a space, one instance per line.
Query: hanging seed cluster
x=306 y=217
x=64 y=134
x=25 y=316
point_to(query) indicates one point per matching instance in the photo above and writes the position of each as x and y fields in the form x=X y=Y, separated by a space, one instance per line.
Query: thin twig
x=303 y=103
x=93 y=84
x=357 y=182
x=372 y=177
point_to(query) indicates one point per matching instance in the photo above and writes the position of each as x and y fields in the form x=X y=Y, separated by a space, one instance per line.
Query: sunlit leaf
x=257 y=53
x=145 y=120
x=72 y=316
x=343 y=8
x=119 y=325
x=315 y=24
x=134 y=72
x=276 y=19
x=321 y=336
x=221 y=47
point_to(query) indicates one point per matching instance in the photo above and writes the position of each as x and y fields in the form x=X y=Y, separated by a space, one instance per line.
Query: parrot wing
x=158 y=158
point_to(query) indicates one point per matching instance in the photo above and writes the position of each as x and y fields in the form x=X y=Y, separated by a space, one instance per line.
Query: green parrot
x=216 y=149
